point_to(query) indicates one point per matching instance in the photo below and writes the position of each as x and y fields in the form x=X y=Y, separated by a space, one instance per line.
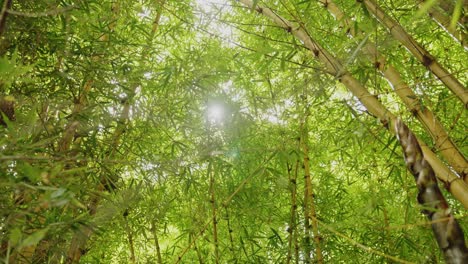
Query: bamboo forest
x=233 y=131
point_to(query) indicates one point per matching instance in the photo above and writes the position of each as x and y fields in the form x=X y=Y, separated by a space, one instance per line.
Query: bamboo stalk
x=73 y=125
x=130 y=238
x=454 y=184
x=309 y=199
x=307 y=229
x=432 y=125
x=447 y=231
x=156 y=242
x=292 y=229
x=214 y=211
x=199 y=255
x=230 y=230
x=418 y=51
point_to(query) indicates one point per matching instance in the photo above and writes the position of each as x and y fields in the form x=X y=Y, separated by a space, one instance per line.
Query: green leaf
x=34 y=238
x=58 y=193
x=33 y=174
x=15 y=236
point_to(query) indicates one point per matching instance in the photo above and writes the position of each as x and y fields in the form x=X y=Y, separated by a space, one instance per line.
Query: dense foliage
x=185 y=131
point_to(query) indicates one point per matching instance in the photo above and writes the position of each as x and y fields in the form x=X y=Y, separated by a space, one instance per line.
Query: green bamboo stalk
x=443 y=21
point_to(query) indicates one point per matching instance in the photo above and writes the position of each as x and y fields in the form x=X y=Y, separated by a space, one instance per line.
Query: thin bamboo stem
x=292 y=229
x=309 y=199
x=130 y=238
x=156 y=242
x=443 y=21
x=214 y=212
x=230 y=230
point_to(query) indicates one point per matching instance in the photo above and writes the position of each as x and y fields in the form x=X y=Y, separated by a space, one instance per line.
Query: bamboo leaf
x=34 y=238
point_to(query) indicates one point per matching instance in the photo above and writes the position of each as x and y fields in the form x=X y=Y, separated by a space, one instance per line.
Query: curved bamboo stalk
x=454 y=184
x=446 y=229
x=418 y=51
x=443 y=142
x=444 y=22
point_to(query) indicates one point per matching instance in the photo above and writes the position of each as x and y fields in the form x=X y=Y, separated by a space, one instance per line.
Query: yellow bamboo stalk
x=432 y=125
x=399 y=33
x=312 y=215
x=455 y=185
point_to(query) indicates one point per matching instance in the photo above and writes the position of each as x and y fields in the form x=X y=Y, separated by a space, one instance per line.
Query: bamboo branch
x=418 y=51
x=444 y=22
x=449 y=8
x=454 y=184
x=446 y=229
